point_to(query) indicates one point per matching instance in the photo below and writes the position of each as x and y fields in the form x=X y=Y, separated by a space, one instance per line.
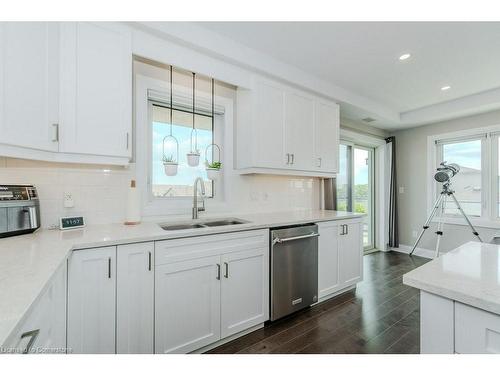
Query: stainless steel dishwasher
x=294 y=269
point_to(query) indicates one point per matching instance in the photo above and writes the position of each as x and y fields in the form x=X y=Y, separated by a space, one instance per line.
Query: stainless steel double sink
x=202 y=224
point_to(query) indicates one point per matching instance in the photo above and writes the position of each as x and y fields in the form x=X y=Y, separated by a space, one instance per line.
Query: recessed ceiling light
x=404 y=56
x=444 y=88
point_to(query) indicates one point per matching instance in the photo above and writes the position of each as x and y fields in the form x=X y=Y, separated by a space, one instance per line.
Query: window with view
x=180 y=185
x=468 y=183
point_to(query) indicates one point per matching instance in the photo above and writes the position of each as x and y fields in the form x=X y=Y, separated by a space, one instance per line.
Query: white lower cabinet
x=208 y=288
x=187 y=305
x=245 y=290
x=92 y=301
x=43 y=330
x=340 y=256
x=350 y=253
x=476 y=331
x=135 y=298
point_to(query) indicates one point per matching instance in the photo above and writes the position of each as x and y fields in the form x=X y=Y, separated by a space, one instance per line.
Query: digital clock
x=72 y=222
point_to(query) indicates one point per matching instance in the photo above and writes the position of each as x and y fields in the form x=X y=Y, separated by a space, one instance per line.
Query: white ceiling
x=362 y=57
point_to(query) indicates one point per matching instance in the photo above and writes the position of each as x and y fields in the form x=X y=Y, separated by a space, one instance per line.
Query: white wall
x=412 y=172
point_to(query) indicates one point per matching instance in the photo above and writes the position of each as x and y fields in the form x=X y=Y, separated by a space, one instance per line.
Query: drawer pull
x=226 y=273
x=218 y=272
x=33 y=335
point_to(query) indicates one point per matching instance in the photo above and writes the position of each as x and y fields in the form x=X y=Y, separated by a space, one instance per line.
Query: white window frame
x=163 y=207
x=489 y=170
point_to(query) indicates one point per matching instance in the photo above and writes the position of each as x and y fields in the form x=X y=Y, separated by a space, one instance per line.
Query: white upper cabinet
x=326 y=136
x=29 y=84
x=66 y=91
x=96 y=89
x=281 y=130
x=299 y=121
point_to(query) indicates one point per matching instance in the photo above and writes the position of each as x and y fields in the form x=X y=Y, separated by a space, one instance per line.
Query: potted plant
x=170 y=165
x=213 y=169
x=193 y=158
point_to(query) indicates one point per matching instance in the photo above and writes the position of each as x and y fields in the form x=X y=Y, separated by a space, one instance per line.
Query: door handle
x=55 y=137
x=293 y=159
x=149 y=260
x=281 y=240
x=346 y=229
x=343 y=230
x=109 y=268
x=226 y=272
x=218 y=272
x=288 y=158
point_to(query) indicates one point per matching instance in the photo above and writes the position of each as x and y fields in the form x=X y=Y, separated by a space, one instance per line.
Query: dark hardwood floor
x=381 y=316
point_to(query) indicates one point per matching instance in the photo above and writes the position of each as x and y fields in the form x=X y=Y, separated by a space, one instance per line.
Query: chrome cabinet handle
x=109 y=268
x=288 y=158
x=149 y=260
x=343 y=229
x=281 y=240
x=33 y=335
x=55 y=137
x=226 y=272
x=319 y=162
x=127 y=139
x=346 y=229
x=293 y=159
x=218 y=272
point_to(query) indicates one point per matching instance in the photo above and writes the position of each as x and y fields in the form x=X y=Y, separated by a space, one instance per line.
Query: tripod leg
x=474 y=231
x=437 y=204
x=439 y=231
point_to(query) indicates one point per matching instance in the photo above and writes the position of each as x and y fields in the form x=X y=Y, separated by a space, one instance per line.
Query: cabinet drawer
x=182 y=249
x=476 y=331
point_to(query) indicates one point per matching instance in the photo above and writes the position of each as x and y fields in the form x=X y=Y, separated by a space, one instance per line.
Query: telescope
x=446 y=172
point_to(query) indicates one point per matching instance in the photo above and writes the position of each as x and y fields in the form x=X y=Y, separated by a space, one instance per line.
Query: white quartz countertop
x=28 y=262
x=469 y=274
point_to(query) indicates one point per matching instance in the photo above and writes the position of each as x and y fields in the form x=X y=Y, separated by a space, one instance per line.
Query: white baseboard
x=419 y=251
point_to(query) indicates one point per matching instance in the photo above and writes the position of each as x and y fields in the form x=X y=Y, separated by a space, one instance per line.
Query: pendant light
x=193 y=156
x=213 y=168
x=171 y=164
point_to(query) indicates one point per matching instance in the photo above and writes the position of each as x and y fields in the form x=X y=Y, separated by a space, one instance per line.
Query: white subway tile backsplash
x=100 y=193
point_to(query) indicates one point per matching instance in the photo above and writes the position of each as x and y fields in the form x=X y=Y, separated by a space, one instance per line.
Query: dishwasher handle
x=282 y=240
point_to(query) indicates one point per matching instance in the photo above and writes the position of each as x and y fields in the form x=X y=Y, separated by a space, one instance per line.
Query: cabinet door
x=326 y=136
x=43 y=330
x=29 y=84
x=350 y=253
x=299 y=122
x=91 y=301
x=328 y=258
x=244 y=290
x=96 y=89
x=135 y=298
x=187 y=305
x=269 y=124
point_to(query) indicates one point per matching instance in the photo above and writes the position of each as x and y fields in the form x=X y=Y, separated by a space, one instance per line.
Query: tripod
x=441 y=204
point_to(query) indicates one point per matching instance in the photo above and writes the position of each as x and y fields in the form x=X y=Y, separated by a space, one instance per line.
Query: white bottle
x=133 y=216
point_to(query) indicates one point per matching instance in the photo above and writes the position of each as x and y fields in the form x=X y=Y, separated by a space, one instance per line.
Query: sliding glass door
x=355 y=186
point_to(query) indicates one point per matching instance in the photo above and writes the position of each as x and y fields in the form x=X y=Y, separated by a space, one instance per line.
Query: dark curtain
x=393 y=196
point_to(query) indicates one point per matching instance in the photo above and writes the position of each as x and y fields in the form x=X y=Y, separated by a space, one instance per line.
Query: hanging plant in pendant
x=171 y=163
x=213 y=168
x=193 y=156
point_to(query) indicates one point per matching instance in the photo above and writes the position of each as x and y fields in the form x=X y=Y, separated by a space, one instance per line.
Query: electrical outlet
x=68 y=200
